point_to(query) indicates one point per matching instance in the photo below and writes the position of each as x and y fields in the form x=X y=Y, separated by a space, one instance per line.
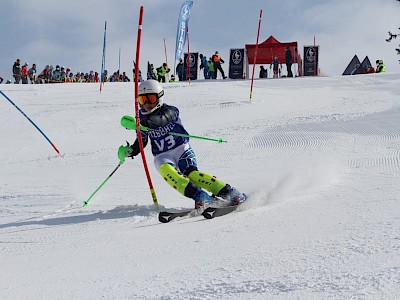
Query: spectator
x=151 y=72
x=24 y=73
x=63 y=74
x=380 y=67
x=161 y=72
x=44 y=76
x=114 y=78
x=179 y=70
x=70 y=77
x=217 y=60
x=289 y=62
x=96 y=77
x=104 y=77
x=140 y=79
x=211 y=69
x=172 y=78
x=277 y=66
x=17 y=71
x=32 y=74
x=263 y=72
x=125 y=78
x=56 y=76
x=77 y=77
x=84 y=77
x=51 y=73
x=91 y=77
x=204 y=65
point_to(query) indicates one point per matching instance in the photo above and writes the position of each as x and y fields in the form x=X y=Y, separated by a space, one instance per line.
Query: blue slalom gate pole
x=51 y=143
x=103 y=59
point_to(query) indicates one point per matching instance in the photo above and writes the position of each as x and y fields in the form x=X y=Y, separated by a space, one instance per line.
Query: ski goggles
x=150 y=98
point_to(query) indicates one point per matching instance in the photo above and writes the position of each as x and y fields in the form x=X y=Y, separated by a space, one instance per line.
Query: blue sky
x=70 y=33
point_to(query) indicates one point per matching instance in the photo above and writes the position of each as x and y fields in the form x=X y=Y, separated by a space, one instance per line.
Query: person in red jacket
x=24 y=73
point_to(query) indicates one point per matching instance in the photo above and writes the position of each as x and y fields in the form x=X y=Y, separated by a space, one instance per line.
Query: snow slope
x=318 y=157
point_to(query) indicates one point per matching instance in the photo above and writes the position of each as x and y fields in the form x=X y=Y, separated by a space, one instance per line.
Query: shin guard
x=177 y=180
x=206 y=181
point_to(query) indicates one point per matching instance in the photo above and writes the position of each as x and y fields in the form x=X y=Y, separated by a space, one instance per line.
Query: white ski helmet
x=153 y=92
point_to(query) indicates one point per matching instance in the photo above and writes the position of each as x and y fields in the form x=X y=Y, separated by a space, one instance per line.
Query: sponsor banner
x=311 y=55
x=236 y=64
x=183 y=21
x=193 y=66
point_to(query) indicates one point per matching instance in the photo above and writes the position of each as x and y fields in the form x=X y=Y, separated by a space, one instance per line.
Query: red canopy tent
x=268 y=49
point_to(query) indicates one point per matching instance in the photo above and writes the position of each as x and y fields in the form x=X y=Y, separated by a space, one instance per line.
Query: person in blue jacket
x=204 y=66
x=174 y=158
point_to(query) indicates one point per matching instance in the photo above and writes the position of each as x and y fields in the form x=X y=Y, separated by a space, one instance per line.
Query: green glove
x=124 y=151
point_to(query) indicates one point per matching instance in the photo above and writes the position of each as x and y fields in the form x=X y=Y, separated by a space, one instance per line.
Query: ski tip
x=208 y=213
x=163 y=217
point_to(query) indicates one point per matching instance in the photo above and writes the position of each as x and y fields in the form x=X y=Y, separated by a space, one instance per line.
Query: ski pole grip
x=129 y=122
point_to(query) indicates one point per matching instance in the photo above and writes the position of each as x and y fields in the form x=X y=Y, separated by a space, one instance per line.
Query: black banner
x=194 y=58
x=311 y=55
x=236 y=64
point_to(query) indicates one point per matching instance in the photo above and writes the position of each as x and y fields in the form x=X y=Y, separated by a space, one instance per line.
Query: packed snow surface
x=319 y=159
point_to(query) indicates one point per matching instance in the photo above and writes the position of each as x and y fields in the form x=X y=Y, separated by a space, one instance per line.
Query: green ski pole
x=129 y=122
x=85 y=203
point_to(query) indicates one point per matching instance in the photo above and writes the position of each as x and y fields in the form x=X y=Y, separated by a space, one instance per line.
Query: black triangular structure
x=364 y=67
x=352 y=67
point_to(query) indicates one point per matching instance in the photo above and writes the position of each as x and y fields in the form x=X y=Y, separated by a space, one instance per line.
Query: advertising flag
x=183 y=21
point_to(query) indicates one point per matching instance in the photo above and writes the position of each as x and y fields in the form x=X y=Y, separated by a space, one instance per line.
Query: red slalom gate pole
x=166 y=57
x=255 y=56
x=188 y=57
x=138 y=132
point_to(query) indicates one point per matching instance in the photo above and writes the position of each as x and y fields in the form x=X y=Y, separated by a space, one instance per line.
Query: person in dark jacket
x=179 y=70
x=174 y=158
x=263 y=72
x=204 y=65
x=32 y=74
x=17 y=71
x=217 y=64
x=289 y=61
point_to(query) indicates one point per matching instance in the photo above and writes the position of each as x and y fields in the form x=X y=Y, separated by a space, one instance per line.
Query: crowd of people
x=210 y=68
x=50 y=74
x=24 y=73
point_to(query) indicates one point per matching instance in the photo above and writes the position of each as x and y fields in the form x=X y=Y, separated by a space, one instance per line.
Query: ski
x=166 y=216
x=213 y=212
x=218 y=211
